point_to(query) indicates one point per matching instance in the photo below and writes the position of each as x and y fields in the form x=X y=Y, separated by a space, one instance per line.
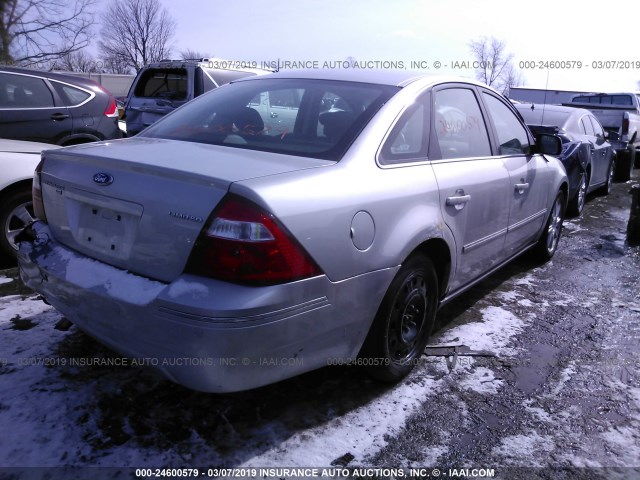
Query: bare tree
x=76 y=62
x=36 y=32
x=136 y=31
x=494 y=66
x=190 y=54
x=513 y=78
x=116 y=64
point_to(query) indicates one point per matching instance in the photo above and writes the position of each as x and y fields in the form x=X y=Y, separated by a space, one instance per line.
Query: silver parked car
x=230 y=251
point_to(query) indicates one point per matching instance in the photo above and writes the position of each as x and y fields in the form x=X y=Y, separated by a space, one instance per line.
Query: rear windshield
x=163 y=83
x=312 y=118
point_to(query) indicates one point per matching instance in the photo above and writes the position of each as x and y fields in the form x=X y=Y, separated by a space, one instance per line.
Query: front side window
x=21 y=91
x=459 y=125
x=288 y=116
x=512 y=136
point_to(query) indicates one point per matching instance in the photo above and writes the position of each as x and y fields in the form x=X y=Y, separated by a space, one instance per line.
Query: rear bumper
x=205 y=334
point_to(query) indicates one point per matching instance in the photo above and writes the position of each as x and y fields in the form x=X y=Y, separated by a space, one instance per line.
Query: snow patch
x=16 y=306
x=625 y=441
x=510 y=296
x=120 y=284
x=517 y=448
x=359 y=432
x=529 y=280
x=565 y=376
x=493 y=333
x=482 y=380
x=182 y=287
x=537 y=412
x=4 y=280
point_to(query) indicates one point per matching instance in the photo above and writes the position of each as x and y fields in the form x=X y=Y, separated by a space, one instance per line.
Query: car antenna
x=544 y=104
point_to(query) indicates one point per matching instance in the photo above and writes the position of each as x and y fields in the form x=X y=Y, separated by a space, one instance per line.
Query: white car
x=18 y=161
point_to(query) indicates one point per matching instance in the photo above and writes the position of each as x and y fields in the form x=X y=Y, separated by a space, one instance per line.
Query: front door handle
x=59 y=116
x=521 y=187
x=459 y=200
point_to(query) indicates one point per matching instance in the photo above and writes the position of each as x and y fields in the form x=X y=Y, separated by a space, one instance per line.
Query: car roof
x=71 y=79
x=398 y=78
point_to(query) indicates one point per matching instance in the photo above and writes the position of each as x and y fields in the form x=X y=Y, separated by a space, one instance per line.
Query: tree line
x=54 y=34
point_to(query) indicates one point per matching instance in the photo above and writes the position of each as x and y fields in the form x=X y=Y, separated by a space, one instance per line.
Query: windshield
x=312 y=118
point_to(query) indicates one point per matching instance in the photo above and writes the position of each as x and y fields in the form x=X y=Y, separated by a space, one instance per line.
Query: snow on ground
x=5 y=280
x=493 y=333
x=42 y=408
x=517 y=449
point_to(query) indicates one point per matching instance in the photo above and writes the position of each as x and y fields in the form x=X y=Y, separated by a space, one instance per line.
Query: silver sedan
x=285 y=222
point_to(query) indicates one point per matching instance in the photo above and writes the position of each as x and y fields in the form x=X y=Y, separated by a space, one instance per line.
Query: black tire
x=16 y=211
x=576 y=204
x=548 y=242
x=608 y=186
x=403 y=323
x=624 y=165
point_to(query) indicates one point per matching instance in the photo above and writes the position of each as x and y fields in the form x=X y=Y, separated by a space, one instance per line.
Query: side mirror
x=548 y=144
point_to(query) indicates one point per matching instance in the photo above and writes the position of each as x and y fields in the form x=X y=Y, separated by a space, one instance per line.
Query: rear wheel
x=16 y=212
x=576 y=204
x=548 y=242
x=404 y=321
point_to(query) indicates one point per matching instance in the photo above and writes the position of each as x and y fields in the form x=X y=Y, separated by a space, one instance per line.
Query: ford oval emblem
x=103 y=179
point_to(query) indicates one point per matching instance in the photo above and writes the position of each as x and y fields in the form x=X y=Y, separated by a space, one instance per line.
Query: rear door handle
x=521 y=187
x=458 y=201
x=59 y=116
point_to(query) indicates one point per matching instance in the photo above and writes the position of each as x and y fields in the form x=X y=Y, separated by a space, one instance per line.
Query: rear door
x=474 y=186
x=529 y=175
x=30 y=110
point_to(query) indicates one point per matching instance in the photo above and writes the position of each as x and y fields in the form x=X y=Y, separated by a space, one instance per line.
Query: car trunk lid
x=141 y=203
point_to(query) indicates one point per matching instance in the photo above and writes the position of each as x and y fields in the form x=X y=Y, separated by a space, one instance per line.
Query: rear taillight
x=36 y=193
x=112 y=109
x=625 y=125
x=242 y=243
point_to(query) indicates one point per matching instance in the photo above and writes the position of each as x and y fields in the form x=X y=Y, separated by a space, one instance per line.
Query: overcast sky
x=423 y=31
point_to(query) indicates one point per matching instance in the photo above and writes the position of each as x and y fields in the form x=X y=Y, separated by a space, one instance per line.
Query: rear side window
x=71 y=96
x=408 y=139
x=163 y=83
x=312 y=118
x=21 y=91
x=512 y=136
x=459 y=125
